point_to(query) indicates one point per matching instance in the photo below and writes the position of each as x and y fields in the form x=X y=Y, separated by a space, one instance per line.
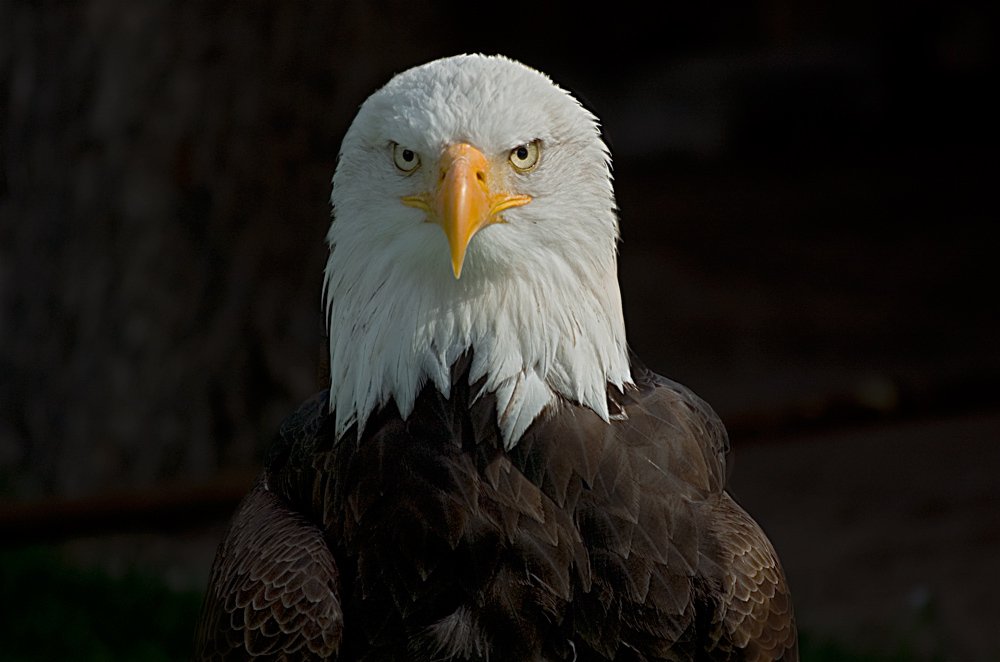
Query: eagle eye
x=405 y=158
x=525 y=157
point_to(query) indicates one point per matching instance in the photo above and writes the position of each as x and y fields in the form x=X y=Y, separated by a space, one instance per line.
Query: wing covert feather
x=273 y=589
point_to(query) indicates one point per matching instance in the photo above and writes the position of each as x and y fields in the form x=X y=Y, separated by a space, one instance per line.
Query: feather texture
x=491 y=476
x=538 y=299
x=588 y=541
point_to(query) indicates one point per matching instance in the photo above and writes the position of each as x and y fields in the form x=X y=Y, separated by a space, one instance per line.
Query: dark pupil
x=522 y=152
x=407 y=155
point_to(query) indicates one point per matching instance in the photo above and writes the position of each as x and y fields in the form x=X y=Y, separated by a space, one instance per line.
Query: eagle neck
x=393 y=329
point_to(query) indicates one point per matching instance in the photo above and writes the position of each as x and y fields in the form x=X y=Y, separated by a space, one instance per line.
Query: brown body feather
x=425 y=540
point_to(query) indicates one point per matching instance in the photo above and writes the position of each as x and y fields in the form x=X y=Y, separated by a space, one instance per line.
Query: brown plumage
x=426 y=540
x=517 y=487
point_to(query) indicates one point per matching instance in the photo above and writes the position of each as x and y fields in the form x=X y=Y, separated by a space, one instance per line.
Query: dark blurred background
x=808 y=195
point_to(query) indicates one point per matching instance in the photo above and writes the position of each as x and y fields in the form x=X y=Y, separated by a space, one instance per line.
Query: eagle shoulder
x=274 y=586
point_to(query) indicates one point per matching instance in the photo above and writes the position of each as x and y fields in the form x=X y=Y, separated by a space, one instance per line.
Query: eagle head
x=473 y=210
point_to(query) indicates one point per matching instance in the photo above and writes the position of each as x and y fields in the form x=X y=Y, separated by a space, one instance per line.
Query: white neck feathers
x=537 y=304
x=392 y=329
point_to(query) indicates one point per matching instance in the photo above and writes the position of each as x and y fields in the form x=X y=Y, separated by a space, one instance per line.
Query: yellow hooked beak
x=463 y=202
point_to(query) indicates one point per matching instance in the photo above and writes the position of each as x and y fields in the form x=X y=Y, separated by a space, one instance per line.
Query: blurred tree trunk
x=163 y=203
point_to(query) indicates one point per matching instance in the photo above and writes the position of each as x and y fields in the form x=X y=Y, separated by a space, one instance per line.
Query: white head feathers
x=538 y=300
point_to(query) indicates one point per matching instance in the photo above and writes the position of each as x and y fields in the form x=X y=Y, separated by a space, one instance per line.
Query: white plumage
x=474 y=217
x=537 y=301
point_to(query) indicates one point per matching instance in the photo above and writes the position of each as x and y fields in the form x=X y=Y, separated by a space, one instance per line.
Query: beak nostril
x=481 y=176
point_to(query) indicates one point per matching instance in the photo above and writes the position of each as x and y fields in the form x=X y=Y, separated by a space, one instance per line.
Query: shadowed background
x=807 y=194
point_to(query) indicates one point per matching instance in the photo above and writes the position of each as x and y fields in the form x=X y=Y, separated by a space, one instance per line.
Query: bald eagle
x=491 y=475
